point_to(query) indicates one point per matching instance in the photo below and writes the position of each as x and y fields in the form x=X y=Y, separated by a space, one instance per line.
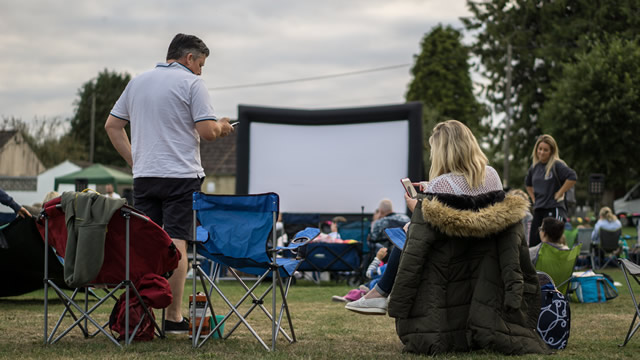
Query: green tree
x=441 y=81
x=595 y=109
x=107 y=88
x=543 y=34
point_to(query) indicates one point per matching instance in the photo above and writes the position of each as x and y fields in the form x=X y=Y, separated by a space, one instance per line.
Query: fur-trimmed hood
x=473 y=216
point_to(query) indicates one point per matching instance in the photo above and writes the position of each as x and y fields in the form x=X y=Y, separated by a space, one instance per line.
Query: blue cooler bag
x=589 y=287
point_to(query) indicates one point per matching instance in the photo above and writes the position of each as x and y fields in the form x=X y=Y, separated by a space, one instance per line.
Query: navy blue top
x=545 y=186
x=5 y=199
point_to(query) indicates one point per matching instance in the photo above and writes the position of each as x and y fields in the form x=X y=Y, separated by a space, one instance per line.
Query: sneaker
x=352 y=295
x=172 y=327
x=339 y=298
x=375 y=306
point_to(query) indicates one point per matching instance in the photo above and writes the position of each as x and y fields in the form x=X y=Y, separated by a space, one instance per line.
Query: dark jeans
x=385 y=284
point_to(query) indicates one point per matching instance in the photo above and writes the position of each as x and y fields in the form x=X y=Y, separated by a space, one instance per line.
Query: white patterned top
x=456 y=184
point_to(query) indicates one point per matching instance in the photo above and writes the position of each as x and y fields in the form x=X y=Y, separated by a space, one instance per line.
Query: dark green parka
x=465 y=280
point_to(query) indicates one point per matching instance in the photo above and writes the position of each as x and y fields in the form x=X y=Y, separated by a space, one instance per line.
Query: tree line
x=573 y=71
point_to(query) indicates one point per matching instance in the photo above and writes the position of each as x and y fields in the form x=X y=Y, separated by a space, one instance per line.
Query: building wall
x=221 y=184
x=17 y=159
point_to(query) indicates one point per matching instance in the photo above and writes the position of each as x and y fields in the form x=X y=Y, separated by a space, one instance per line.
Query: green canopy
x=96 y=174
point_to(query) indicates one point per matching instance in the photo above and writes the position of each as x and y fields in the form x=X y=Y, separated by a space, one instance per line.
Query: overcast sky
x=50 y=48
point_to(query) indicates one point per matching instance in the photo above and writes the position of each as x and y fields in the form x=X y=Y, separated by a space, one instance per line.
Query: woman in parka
x=464 y=279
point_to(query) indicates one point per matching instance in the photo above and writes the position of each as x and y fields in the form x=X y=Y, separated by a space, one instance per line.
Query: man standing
x=169 y=110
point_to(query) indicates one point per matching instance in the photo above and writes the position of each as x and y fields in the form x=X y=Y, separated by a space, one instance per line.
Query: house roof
x=5 y=135
x=219 y=156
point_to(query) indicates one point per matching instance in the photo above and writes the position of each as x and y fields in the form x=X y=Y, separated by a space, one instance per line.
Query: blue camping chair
x=237 y=232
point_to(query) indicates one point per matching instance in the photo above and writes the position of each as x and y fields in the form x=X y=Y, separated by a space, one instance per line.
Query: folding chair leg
x=233 y=309
x=632 y=328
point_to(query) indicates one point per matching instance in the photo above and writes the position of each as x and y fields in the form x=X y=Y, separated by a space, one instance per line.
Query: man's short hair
x=183 y=44
x=385 y=206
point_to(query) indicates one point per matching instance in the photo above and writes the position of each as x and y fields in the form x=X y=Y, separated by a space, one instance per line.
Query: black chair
x=609 y=244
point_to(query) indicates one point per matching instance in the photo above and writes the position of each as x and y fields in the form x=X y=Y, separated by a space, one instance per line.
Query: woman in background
x=548 y=179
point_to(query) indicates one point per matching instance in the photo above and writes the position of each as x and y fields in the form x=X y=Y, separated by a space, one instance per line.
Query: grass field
x=325 y=330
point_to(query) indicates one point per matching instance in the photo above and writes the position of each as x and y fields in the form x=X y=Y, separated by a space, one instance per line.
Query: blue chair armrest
x=301 y=238
x=397 y=236
x=202 y=235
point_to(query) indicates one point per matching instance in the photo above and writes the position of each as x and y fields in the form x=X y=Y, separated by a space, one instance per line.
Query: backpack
x=589 y=287
x=554 y=322
x=117 y=319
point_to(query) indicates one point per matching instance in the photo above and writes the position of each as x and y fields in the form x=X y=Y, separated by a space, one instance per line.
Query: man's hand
x=24 y=212
x=225 y=127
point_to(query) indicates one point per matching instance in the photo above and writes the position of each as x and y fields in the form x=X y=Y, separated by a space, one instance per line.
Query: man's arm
x=118 y=136
x=210 y=129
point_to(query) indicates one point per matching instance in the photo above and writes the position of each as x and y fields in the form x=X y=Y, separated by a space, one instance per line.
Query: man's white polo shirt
x=162 y=106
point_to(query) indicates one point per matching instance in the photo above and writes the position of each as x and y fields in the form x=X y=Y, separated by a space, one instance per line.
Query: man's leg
x=177 y=281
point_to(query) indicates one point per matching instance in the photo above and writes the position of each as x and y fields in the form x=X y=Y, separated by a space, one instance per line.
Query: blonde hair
x=606 y=213
x=553 y=157
x=50 y=195
x=520 y=193
x=454 y=149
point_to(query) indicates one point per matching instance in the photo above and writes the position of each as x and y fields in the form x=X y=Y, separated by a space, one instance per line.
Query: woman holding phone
x=460 y=267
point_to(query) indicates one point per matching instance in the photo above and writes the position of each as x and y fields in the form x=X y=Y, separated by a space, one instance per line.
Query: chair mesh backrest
x=238 y=225
x=584 y=238
x=609 y=239
x=557 y=263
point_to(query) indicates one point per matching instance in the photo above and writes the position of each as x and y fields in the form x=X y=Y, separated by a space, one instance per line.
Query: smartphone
x=408 y=186
x=235 y=123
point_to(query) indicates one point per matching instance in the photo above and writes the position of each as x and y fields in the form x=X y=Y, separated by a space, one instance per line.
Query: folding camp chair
x=609 y=243
x=630 y=269
x=134 y=246
x=235 y=232
x=558 y=264
x=341 y=259
x=584 y=239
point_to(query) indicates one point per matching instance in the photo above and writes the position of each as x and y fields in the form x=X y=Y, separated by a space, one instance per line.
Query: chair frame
x=584 y=237
x=566 y=281
x=629 y=268
x=198 y=340
x=84 y=317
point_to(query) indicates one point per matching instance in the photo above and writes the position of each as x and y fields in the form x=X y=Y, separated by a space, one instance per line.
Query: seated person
x=458 y=283
x=385 y=218
x=374 y=272
x=552 y=233
x=607 y=221
x=334 y=226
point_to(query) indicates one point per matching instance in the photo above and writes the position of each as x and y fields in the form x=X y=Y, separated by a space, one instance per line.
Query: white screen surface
x=330 y=168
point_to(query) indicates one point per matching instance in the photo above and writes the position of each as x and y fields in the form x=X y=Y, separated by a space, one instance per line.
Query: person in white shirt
x=169 y=110
x=108 y=192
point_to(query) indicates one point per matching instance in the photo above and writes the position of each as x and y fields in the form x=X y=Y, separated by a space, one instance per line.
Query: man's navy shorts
x=168 y=202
